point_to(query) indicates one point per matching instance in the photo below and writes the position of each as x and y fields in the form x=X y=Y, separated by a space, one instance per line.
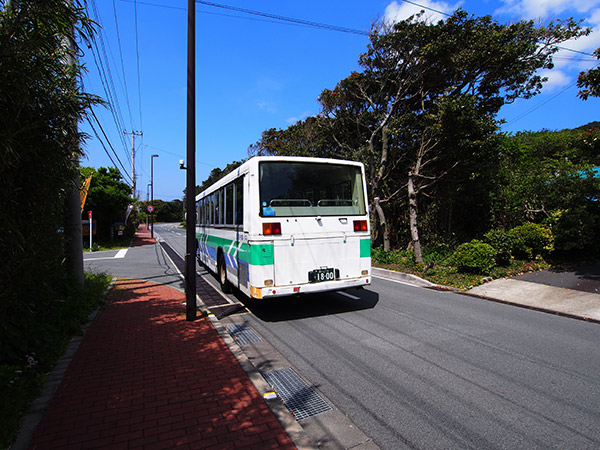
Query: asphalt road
x=582 y=277
x=417 y=368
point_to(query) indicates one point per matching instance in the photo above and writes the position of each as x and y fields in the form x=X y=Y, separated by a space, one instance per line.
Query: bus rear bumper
x=309 y=288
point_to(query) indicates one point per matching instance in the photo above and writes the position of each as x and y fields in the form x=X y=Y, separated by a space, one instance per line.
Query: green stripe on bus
x=365 y=248
x=258 y=254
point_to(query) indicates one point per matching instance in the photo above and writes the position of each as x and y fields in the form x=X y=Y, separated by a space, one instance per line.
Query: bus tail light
x=271 y=229
x=360 y=225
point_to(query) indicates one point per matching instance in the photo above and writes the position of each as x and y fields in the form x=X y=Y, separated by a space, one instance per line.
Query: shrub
x=578 y=229
x=531 y=240
x=503 y=242
x=399 y=256
x=475 y=257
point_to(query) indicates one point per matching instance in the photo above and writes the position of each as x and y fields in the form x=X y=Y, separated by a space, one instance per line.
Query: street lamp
x=152 y=194
x=147 y=202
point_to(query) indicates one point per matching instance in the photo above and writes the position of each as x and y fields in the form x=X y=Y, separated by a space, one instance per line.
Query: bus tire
x=222 y=274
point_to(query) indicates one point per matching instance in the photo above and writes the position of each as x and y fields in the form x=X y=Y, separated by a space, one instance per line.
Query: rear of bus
x=311 y=232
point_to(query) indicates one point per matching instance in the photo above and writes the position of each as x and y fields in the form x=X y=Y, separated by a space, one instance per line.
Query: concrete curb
x=405 y=277
x=294 y=430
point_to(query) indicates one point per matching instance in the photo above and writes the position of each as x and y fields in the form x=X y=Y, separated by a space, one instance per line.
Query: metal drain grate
x=242 y=334
x=299 y=397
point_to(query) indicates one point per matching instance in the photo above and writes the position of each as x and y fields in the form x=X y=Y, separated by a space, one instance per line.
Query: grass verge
x=450 y=276
x=438 y=268
x=20 y=383
x=115 y=244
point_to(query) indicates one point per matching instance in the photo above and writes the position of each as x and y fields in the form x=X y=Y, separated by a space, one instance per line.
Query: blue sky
x=255 y=73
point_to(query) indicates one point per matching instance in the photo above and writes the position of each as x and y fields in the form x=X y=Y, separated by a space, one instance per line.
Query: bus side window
x=218 y=195
x=229 y=204
x=239 y=201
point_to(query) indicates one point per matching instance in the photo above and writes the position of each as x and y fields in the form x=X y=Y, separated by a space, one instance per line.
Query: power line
x=428 y=8
x=539 y=105
x=137 y=54
x=180 y=156
x=286 y=19
x=410 y=2
x=105 y=74
x=109 y=144
x=122 y=64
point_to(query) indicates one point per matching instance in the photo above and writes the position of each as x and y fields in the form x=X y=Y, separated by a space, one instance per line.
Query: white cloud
x=556 y=79
x=574 y=61
x=395 y=12
x=543 y=9
x=292 y=120
x=267 y=106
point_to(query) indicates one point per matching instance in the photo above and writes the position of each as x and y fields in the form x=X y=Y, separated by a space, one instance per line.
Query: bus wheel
x=222 y=271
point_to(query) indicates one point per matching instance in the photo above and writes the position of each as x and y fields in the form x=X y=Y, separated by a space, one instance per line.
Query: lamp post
x=152 y=194
x=147 y=201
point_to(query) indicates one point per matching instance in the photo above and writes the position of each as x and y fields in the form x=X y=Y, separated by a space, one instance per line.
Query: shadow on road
x=309 y=305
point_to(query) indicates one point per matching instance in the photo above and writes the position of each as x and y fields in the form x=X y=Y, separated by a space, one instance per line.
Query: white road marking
x=119 y=255
x=396 y=281
x=345 y=294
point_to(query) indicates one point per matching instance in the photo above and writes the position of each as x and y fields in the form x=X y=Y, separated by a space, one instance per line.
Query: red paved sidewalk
x=145 y=378
x=142 y=237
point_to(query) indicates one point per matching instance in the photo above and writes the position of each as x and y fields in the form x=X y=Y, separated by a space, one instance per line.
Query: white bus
x=280 y=226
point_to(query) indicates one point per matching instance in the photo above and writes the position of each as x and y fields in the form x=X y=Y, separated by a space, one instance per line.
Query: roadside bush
x=531 y=240
x=35 y=339
x=578 y=230
x=475 y=257
x=380 y=256
x=503 y=242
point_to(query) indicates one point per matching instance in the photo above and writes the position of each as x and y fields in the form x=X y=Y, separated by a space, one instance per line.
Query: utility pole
x=73 y=233
x=133 y=135
x=190 y=223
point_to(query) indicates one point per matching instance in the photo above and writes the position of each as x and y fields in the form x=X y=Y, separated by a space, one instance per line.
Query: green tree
x=549 y=177
x=589 y=82
x=309 y=137
x=165 y=211
x=108 y=198
x=416 y=77
x=216 y=174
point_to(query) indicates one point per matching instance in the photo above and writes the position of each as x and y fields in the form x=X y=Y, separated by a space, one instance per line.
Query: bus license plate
x=323 y=275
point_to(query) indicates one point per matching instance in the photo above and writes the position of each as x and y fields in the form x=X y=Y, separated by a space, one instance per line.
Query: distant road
x=417 y=368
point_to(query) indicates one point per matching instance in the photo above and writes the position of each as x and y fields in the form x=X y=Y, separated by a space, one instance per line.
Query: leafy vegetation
x=172 y=211
x=39 y=150
x=439 y=267
x=422 y=117
x=475 y=257
x=40 y=145
x=109 y=198
x=37 y=340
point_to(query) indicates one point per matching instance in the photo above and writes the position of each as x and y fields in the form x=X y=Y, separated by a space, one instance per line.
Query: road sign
x=150 y=208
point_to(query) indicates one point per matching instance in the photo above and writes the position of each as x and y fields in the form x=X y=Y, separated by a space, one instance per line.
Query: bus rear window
x=310 y=189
